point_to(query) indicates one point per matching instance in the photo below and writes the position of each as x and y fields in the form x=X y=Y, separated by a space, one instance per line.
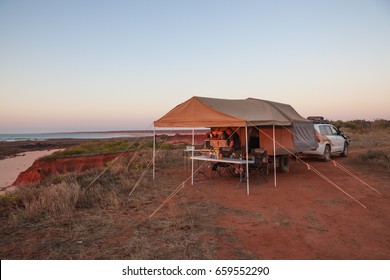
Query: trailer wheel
x=284 y=164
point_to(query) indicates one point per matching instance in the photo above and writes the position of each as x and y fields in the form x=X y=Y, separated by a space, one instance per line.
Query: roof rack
x=317 y=119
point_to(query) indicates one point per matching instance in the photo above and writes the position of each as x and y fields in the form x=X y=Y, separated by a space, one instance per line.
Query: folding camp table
x=232 y=161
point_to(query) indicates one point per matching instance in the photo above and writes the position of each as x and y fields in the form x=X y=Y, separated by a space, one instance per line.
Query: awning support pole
x=247 y=158
x=154 y=150
x=274 y=140
x=192 y=159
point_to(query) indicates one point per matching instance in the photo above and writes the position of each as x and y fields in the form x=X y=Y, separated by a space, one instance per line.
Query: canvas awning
x=214 y=112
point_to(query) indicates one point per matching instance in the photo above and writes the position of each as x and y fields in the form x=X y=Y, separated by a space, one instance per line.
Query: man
x=233 y=139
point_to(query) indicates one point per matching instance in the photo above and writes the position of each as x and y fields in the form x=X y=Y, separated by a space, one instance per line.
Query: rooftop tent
x=215 y=112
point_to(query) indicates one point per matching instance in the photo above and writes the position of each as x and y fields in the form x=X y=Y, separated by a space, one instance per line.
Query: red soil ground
x=304 y=217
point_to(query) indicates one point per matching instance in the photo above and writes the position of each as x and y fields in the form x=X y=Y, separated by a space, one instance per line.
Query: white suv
x=330 y=141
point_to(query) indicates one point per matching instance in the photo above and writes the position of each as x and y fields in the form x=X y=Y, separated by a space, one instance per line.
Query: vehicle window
x=334 y=130
x=325 y=130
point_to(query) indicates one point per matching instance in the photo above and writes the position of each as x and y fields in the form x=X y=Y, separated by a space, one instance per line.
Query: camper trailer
x=280 y=129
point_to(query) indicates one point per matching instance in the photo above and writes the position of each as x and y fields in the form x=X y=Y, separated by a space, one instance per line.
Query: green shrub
x=8 y=203
x=95 y=148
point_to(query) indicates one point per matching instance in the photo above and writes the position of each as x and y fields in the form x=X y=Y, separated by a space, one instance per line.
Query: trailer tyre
x=284 y=164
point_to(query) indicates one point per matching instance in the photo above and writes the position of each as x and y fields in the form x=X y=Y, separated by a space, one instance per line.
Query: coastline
x=10 y=149
x=14 y=137
x=17 y=156
x=72 y=135
x=12 y=144
x=10 y=168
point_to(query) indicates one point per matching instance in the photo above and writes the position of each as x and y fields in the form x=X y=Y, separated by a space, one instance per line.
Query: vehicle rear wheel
x=345 y=150
x=327 y=153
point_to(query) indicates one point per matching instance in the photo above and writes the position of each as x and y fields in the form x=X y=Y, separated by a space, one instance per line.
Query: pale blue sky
x=108 y=65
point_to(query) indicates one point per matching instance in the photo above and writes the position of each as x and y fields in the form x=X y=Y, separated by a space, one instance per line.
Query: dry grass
x=377 y=143
x=377 y=158
x=53 y=200
x=373 y=138
x=61 y=218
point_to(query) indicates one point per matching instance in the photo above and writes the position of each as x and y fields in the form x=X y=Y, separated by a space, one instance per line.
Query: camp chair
x=226 y=151
x=260 y=166
x=221 y=168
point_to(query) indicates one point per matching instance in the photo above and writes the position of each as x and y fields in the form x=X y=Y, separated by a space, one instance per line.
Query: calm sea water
x=75 y=135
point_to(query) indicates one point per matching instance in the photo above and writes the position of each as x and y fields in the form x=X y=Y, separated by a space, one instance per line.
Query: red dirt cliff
x=43 y=168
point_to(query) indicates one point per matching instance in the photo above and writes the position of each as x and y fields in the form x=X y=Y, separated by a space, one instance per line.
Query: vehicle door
x=337 y=141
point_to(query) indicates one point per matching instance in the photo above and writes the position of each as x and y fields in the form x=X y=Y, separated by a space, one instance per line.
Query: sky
x=118 y=65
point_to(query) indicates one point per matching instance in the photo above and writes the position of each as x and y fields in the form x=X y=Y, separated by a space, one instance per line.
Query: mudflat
x=12 y=148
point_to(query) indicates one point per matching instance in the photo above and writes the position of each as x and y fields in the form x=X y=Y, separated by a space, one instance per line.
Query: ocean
x=73 y=135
